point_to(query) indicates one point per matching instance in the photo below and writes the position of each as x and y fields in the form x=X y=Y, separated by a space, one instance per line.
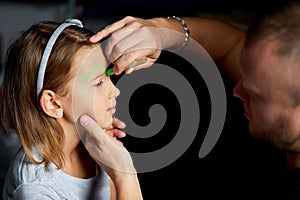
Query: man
x=264 y=62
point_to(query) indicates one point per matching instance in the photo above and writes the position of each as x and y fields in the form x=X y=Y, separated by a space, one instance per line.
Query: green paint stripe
x=93 y=72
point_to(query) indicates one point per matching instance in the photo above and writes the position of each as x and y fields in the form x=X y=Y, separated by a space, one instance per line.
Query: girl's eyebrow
x=99 y=67
x=99 y=76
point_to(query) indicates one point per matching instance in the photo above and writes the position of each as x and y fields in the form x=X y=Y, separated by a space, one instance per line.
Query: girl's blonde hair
x=20 y=109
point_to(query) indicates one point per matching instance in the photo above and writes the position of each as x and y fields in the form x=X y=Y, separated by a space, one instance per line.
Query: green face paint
x=109 y=72
x=85 y=78
x=136 y=62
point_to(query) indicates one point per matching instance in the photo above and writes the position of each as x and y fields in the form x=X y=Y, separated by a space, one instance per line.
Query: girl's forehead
x=91 y=63
x=89 y=54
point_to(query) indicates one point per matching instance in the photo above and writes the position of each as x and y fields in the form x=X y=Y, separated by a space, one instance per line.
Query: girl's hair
x=20 y=109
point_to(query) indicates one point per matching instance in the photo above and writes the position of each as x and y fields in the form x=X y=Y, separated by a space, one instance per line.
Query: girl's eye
x=99 y=83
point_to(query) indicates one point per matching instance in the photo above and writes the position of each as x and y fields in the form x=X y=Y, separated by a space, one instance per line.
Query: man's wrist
x=185 y=28
x=128 y=187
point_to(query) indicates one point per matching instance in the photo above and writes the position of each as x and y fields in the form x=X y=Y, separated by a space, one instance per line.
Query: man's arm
x=135 y=37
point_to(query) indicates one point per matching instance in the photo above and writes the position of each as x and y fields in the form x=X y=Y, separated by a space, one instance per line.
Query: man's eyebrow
x=99 y=67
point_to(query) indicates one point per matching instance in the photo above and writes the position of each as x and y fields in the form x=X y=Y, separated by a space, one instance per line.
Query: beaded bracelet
x=186 y=29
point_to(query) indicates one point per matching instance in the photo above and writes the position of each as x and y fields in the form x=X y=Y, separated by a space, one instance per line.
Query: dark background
x=237 y=167
x=154 y=8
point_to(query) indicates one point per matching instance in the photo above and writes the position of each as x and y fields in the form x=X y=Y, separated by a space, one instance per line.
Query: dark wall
x=236 y=165
x=236 y=168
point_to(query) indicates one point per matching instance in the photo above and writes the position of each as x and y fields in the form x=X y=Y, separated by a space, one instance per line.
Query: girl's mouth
x=112 y=110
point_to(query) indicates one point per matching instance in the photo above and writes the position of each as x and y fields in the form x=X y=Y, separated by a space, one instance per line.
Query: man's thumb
x=85 y=120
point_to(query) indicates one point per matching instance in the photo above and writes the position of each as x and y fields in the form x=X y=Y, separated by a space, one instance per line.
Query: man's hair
x=281 y=23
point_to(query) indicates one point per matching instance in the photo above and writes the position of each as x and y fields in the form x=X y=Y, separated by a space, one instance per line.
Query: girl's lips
x=112 y=110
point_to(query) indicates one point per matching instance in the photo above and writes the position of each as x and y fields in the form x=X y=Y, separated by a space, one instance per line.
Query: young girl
x=53 y=74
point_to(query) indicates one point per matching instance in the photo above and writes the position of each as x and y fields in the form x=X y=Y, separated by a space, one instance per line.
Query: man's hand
x=130 y=40
x=106 y=150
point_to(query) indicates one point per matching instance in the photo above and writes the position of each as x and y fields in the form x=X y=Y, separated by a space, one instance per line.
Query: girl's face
x=93 y=92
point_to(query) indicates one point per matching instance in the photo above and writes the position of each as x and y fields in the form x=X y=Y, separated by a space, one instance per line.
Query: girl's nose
x=114 y=92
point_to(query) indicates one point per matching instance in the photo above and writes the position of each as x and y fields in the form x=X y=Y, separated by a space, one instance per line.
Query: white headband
x=48 y=48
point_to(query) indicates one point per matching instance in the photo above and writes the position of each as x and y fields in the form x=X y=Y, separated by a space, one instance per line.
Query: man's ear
x=51 y=104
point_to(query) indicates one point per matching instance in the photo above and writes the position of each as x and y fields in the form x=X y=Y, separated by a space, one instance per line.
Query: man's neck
x=292 y=160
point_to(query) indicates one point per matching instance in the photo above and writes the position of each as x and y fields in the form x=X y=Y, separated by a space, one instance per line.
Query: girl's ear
x=51 y=104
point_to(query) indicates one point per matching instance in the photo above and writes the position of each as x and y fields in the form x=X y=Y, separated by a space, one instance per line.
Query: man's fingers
x=126 y=59
x=116 y=133
x=91 y=126
x=118 y=123
x=94 y=131
x=110 y=29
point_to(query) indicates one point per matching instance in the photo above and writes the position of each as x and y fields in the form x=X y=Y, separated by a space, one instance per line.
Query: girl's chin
x=108 y=125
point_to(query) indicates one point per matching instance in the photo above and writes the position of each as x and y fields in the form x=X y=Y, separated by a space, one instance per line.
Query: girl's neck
x=79 y=163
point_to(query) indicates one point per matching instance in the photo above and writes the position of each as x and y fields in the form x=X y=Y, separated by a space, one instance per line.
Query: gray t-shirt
x=25 y=180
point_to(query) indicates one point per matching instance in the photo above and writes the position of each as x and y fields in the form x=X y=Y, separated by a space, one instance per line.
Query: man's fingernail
x=94 y=37
x=84 y=120
x=122 y=124
x=137 y=62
